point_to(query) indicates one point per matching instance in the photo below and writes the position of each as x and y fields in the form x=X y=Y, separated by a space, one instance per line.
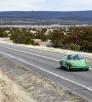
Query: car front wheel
x=61 y=66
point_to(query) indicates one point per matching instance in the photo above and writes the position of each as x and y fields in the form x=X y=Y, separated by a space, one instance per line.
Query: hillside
x=51 y=17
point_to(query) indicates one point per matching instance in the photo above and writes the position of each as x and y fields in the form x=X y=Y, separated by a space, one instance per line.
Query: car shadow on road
x=65 y=70
x=62 y=69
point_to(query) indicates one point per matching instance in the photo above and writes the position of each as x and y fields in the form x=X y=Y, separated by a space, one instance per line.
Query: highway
x=47 y=63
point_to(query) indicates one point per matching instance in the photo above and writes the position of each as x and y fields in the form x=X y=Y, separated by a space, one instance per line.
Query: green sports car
x=74 y=62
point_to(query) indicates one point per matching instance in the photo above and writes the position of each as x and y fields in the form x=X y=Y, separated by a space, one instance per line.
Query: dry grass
x=10 y=92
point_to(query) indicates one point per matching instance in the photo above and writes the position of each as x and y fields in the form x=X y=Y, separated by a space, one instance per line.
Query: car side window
x=68 y=57
x=65 y=58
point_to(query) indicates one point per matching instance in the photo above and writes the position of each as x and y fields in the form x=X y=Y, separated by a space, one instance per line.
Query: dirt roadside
x=10 y=92
x=17 y=84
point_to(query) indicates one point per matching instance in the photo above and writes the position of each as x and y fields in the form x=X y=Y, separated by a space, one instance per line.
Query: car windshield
x=74 y=57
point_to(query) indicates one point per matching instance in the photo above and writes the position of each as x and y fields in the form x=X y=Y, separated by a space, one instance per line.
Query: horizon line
x=44 y=11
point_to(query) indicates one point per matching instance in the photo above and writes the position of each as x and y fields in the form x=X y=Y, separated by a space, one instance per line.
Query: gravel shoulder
x=17 y=84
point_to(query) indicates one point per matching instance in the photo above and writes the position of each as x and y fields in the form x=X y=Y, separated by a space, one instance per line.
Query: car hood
x=80 y=62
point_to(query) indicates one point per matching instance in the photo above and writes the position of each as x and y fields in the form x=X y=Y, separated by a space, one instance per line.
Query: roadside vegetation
x=4 y=32
x=22 y=36
x=72 y=38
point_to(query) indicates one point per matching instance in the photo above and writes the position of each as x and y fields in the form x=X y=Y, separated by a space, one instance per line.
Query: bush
x=40 y=34
x=75 y=47
x=22 y=36
x=3 y=33
x=57 y=38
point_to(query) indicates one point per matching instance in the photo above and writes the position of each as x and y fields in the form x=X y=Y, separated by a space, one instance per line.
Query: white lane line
x=49 y=58
x=47 y=71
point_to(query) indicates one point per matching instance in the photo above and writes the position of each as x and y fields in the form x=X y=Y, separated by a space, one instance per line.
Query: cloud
x=47 y=5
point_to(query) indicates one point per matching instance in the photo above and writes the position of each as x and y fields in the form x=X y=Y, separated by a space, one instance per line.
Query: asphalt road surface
x=47 y=64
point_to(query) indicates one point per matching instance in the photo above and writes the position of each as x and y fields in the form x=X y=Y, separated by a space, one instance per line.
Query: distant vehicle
x=74 y=62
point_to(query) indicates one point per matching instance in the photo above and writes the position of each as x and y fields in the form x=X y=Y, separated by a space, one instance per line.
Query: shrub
x=57 y=38
x=3 y=33
x=40 y=34
x=73 y=46
x=22 y=36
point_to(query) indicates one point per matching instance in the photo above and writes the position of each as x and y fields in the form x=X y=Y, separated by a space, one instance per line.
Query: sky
x=45 y=5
